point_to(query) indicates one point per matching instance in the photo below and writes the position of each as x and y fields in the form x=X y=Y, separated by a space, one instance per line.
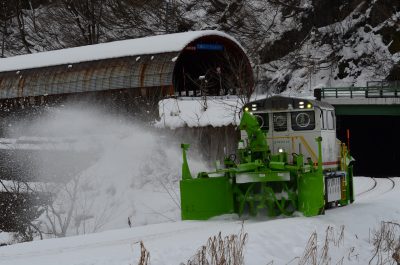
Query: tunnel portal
x=374 y=143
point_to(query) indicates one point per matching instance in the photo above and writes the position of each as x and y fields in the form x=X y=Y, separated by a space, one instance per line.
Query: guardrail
x=371 y=91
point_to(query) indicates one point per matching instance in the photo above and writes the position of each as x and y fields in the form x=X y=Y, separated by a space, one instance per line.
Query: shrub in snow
x=144 y=255
x=386 y=243
x=315 y=253
x=220 y=250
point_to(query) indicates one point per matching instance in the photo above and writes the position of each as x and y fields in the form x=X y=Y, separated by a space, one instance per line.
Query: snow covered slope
x=278 y=240
x=294 y=45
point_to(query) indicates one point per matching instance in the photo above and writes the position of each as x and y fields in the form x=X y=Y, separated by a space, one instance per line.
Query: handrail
x=357 y=92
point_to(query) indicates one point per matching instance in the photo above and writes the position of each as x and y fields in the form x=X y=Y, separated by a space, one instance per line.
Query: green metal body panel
x=311 y=190
x=269 y=176
x=349 y=194
x=345 y=192
x=202 y=198
x=311 y=194
x=277 y=165
x=185 y=167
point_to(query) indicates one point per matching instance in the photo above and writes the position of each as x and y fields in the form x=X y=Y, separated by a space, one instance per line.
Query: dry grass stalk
x=220 y=250
x=386 y=242
x=310 y=255
x=310 y=252
x=144 y=255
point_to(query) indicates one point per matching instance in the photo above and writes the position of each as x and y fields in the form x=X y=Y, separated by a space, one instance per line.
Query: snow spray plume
x=116 y=171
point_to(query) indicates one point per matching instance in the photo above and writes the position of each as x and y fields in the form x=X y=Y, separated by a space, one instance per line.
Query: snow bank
x=282 y=241
x=199 y=111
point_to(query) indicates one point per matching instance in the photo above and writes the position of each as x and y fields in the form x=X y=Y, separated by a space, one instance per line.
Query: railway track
x=393 y=183
x=375 y=185
x=370 y=189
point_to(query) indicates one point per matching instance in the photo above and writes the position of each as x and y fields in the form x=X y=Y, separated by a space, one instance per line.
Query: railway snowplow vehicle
x=288 y=160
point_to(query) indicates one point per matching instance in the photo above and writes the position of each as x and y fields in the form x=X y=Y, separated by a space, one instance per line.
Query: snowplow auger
x=257 y=183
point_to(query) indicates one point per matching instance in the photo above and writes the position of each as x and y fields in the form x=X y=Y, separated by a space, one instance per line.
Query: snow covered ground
x=278 y=240
x=135 y=175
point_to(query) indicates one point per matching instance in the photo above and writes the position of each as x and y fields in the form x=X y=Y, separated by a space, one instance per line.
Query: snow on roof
x=147 y=45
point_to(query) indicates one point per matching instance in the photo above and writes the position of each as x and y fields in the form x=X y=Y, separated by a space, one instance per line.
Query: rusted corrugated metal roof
x=128 y=72
x=144 y=63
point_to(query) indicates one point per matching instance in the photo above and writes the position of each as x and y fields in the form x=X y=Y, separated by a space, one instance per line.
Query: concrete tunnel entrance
x=374 y=143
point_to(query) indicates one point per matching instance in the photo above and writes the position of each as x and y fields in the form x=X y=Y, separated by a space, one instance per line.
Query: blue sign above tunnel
x=209 y=47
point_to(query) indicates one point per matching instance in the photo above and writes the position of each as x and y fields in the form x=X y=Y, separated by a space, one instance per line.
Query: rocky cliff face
x=336 y=43
x=294 y=44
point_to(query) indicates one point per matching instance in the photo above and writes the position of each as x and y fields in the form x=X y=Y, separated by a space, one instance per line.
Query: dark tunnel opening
x=374 y=143
x=200 y=73
x=212 y=66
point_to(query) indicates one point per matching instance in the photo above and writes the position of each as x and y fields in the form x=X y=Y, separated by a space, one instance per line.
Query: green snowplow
x=255 y=182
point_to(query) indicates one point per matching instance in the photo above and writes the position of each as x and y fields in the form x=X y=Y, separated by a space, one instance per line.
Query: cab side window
x=324 y=125
x=331 y=120
x=327 y=119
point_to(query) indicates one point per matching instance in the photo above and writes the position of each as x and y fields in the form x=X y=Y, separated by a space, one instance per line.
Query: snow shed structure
x=128 y=72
